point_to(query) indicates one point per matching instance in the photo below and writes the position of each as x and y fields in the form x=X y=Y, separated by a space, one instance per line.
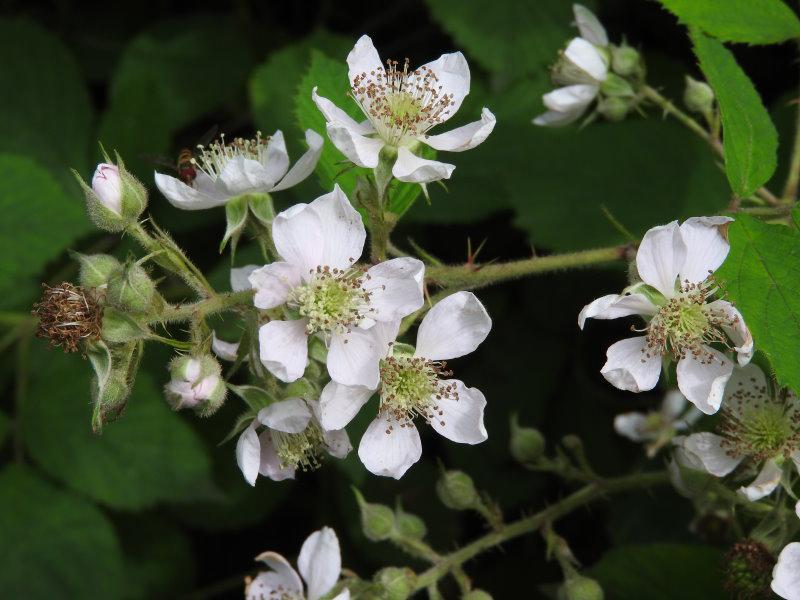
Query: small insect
x=184 y=166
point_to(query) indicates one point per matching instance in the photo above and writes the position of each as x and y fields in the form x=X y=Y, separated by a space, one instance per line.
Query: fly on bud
x=68 y=316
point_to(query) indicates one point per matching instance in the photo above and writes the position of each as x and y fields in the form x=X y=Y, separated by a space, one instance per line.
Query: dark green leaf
x=55 y=545
x=761 y=278
x=750 y=140
x=751 y=21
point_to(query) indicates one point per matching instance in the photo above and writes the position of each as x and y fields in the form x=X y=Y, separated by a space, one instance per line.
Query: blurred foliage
x=155 y=507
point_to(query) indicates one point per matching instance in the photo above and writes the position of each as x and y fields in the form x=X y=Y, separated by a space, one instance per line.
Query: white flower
x=675 y=264
x=292 y=438
x=786 y=573
x=657 y=428
x=401 y=105
x=317 y=281
x=107 y=186
x=581 y=69
x=759 y=425
x=412 y=383
x=319 y=563
x=225 y=171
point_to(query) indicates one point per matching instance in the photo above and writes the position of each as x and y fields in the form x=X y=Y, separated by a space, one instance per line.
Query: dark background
x=524 y=190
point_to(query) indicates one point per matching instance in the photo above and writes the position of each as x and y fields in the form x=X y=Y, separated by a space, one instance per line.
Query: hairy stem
x=587 y=494
x=215 y=304
x=793 y=178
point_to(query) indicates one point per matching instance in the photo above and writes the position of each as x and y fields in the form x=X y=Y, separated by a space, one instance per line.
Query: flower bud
x=377 y=520
x=457 y=491
x=616 y=87
x=578 y=587
x=409 y=525
x=96 y=269
x=116 y=198
x=526 y=444
x=119 y=327
x=626 y=61
x=614 y=108
x=107 y=187
x=131 y=288
x=396 y=583
x=477 y=595
x=698 y=96
x=196 y=383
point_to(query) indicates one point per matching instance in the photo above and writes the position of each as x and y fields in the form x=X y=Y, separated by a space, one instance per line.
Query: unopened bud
x=614 y=108
x=409 y=525
x=698 y=96
x=457 y=491
x=477 y=595
x=526 y=444
x=116 y=198
x=196 y=383
x=626 y=61
x=119 y=327
x=107 y=186
x=131 y=288
x=96 y=269
x=578 y=587
x=615 y=86
x=396 y=583
x=377 y=520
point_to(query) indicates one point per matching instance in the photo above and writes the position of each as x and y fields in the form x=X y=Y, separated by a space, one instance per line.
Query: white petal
x=240 y=278
x=629 y=366
x=412 y=168
x=286 y=579
x=461 y=419
x=273 y=282
x=389 y=448
x=588 y=58
x=353 y=358
x=343 y=595
x=343 y=232
x=706 y=246
x=183 y=196
x=452 y=74
x=337 y=443
x=385 y=333
x=464 y=137
x=786 y=573
x=660 y=257
x=708 y=448
x=289 y=416
x=738 y=332
x=283 y=347
x=305 y=165
x=673 y=405
x=248 y=453
x=320 y=562
x=395 y=288
x=361 y=150
x=589 y=25
x=242 y=175
x=746 y=387
x=768 y=479
x=340 y=403
x=614 y=306
x=364 y=59
x=298 y=237
x=702 y=380
x=270 y=462
x=277 y=159
x=632 y=425
x=224 y=350
x=455 y=326
x=553 y=118
x=265 y=585
x=571 y=98
x=335 y=115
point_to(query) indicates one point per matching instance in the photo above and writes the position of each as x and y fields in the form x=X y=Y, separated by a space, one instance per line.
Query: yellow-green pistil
x=411 y=386
x=302 y=450
x=333 y=300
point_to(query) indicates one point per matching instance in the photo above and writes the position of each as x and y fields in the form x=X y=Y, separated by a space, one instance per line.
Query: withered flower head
x=67 y=315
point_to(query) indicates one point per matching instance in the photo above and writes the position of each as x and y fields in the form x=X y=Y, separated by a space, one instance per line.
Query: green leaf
x=661 y=572
x=760 y=276
x=512 y=38
x=750 y=21
x=47 y=114
x=750 y=139
x=55 y=545
x=150 y=455
x=5 y=425
x=39 y=221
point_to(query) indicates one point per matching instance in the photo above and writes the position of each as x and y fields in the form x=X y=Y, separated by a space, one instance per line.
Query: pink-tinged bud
x=196 y=384
x=107 y=185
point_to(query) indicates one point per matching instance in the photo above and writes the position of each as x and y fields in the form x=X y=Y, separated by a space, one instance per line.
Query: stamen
x=411 y=386
x=212 y=159
x=68 y=314
x=304 y=450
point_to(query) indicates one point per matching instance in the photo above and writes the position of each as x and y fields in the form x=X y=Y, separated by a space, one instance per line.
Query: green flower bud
x=196 y=383
x=614 y=108
x=457 y=491
x=626 y=61
x=578 y=587
x=396 y=583
x=119 y=327
x=409 y=525
x=132 y=289
x=477 y=595
x=96 y=269
x=377 y=520
x=116 y=198
x=527 y=444
x=698 y=96
x=616 y=87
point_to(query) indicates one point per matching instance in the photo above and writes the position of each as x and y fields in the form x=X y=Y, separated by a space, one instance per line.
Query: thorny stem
x=215 y=304
x=587 y=494
x=714 y=143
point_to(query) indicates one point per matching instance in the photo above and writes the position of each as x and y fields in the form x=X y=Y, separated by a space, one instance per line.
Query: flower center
x=401 y=104
x=685 y=324
x=212 y=159
x=333 y=300
x=303 y=450
x=411 y=386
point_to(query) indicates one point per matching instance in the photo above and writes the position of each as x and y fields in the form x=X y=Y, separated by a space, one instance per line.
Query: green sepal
x=255 y=397
x=262 y=209
x=119 y=327
x=236 y=217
